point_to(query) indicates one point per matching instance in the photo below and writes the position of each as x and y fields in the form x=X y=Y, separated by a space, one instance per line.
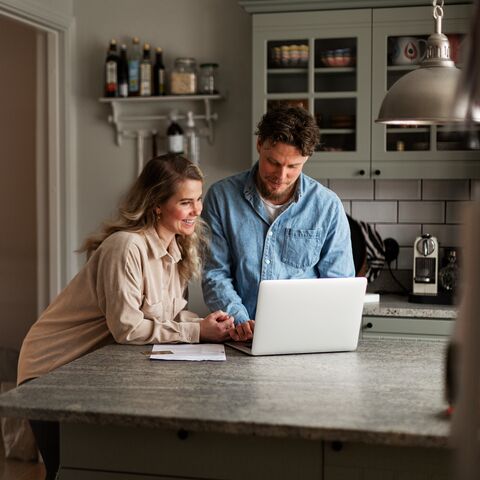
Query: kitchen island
x=123 y=416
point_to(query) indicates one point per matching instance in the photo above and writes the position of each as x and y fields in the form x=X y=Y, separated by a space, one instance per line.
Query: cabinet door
x=399 y=37
x=321 y=61
x=350 y=461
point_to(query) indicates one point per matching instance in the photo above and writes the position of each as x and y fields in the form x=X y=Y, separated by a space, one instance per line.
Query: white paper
x=189 y=352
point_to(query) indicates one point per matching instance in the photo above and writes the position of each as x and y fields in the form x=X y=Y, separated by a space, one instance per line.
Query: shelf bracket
x=132 y=117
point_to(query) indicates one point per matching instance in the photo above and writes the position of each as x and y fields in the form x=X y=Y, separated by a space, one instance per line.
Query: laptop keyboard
x=246 y=343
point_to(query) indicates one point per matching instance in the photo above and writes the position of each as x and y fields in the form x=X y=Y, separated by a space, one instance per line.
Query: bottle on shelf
x=134 y=68
x=146 y=72
x=192 y=145
x=159 y=73
x=123 y=72
x=111 y=70
x=175 y=135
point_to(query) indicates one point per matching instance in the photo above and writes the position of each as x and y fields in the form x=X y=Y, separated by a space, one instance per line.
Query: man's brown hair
x=290 y=125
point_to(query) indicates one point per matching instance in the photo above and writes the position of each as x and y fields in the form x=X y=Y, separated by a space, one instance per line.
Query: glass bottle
x=134 y=68
x=123 y=72
x=192 y=145
x=146 y=72
x=159 y=73
x=175 y=135
x=207 y=83
x=448 y=275
x=111 y=70
x=183 y=79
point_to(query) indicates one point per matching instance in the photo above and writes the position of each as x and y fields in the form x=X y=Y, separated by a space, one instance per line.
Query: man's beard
x=267 y=194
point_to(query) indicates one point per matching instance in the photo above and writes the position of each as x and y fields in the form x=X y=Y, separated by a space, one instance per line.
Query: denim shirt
x=310 y=239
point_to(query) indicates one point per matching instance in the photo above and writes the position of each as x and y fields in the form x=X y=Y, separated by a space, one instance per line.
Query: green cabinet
x=339 y=65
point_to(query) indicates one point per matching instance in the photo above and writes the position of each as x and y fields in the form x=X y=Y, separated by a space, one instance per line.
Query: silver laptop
x=307 y=316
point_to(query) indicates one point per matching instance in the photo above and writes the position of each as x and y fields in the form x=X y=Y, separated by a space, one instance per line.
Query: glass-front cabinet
x=311 y=59
x=339 y=65
x=398 y=46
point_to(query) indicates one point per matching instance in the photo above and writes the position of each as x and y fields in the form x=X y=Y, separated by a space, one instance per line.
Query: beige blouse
x=128 y=292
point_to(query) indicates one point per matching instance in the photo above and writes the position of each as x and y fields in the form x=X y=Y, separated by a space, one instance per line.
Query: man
x=273 y=221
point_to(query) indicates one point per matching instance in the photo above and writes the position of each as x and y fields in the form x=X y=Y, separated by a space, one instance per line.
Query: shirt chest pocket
x=301 y=248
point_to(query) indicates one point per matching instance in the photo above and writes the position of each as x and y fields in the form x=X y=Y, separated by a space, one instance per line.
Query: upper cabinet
x=339 y=65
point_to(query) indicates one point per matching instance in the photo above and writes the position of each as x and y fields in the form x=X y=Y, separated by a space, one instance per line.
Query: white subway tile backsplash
x=421 y=212
x=347 y=206
x=398 y=190
x=352 y=189
x=447 y=235
x=373 y=212
x=404 y=209
x=456 y=211
x=405 y=258
x=445 y=190
x=405 y=235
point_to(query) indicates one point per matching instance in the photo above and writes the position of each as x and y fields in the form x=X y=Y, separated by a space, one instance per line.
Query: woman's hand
x=215 y=327
x=243 y=331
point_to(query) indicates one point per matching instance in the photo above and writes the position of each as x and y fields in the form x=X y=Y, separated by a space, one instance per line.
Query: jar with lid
x=183 y=79
x=207 y=80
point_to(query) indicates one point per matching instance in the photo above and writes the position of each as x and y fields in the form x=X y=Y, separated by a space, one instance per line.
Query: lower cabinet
x=372 y=462
x=434 y=328
x=96 y=452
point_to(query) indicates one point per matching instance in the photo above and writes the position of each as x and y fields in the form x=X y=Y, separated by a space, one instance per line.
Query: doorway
x=23 y=214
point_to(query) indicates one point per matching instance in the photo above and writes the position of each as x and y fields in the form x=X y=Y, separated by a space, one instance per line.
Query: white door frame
x=55 y=151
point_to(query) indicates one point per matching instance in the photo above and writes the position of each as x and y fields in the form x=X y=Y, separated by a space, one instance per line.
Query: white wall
x=208 y=30
x=18 y=282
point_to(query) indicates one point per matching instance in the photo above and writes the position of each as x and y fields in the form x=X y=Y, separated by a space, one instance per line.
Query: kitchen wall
x=18 y=247
x=208 y=30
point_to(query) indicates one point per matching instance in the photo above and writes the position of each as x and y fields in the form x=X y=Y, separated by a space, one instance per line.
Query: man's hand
x=243 y=331
x=215 y=327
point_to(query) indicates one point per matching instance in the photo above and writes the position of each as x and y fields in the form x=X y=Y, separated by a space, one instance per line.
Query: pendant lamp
x=427 y=95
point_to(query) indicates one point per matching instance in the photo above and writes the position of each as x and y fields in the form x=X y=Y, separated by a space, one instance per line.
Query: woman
x=132 y=288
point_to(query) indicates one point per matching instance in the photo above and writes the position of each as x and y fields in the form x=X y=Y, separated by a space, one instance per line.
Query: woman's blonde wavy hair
x=158 y=181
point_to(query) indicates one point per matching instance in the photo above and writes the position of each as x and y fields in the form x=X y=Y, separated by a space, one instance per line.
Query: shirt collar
x=158 y=249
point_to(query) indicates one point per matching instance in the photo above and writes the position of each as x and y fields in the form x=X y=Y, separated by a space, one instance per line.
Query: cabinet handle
x=337 y=446
x=368 y=325
x=182 y=434
x=377 y=172
x=361 y=172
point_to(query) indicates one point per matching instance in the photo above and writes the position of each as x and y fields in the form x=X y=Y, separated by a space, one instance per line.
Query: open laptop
x=307 y=316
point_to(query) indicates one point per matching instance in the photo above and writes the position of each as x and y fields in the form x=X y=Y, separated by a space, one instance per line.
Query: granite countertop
x=390 y=391
x=399 y=306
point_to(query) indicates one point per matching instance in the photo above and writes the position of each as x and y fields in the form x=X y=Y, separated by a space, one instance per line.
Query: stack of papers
x=190 y=352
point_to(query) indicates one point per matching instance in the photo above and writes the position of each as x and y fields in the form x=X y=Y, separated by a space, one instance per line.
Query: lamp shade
x=425 y=96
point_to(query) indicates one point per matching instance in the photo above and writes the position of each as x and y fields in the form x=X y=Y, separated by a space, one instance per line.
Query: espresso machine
x=425 y=269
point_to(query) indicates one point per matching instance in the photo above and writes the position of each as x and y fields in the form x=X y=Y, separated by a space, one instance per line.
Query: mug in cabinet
x=456 y=46
x=408 y=50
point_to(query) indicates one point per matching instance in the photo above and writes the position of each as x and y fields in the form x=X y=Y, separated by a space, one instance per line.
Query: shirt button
x=267 y=261
x=270 y=234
